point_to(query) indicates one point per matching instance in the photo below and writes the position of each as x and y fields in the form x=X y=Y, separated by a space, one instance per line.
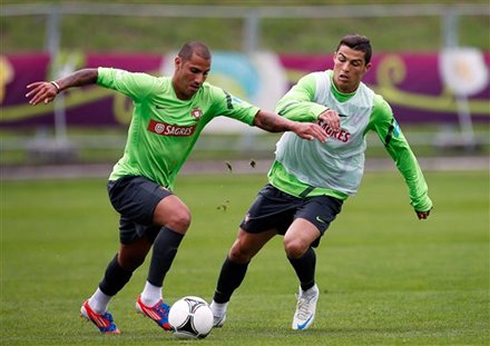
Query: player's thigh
x=171 y=212
x=316 y=213
x=299 y=237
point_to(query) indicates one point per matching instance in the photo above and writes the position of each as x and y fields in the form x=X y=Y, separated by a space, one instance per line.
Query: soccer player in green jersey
x=309 y=181
x=169 y=114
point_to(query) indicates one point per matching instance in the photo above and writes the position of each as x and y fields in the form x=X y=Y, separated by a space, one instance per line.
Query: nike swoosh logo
x=319 y=219
x=343 y=115
x=303 y=325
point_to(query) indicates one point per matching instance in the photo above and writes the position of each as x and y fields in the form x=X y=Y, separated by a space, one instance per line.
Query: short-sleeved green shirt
x=163 y=128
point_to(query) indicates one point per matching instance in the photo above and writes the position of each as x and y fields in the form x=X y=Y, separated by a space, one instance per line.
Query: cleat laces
x=303 y=307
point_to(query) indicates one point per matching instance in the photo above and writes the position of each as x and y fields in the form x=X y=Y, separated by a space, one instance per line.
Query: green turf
x=385 y=277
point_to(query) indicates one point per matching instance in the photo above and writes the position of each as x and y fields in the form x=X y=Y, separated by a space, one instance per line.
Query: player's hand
x=331 y=118
x=310 y=131
x=422 y=215
x=41 y=92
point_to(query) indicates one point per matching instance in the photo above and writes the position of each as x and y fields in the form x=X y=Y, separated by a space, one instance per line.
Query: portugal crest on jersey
x=196 y=113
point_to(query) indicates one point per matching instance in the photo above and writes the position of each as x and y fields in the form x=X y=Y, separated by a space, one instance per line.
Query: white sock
x=219 y=309
x=151 y=294
x=311 y=290
x=99 y=301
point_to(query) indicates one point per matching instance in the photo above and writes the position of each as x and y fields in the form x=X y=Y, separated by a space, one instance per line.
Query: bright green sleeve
x=137 y=86
x=233 y=107
x=298 y=103
x=390 y=134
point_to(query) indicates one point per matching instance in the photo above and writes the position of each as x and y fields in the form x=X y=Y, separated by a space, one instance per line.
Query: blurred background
x=431 y=62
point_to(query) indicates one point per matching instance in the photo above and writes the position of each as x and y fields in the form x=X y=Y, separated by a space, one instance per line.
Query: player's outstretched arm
x=47 y=91
x=274 y=123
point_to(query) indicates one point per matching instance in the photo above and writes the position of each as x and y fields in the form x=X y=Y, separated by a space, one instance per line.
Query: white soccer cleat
x=219 y=314
x=305 y=308
x=219 y=321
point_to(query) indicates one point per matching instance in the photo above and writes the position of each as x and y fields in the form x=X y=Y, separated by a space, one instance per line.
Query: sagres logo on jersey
x=164 y=129
x=341 y=135
x=196 y=113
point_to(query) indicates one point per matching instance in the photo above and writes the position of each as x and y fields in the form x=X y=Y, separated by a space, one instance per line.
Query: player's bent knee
x=178 y=219
x=179 y=222
x=172 y=213
x=295 y=248
x=239 y=255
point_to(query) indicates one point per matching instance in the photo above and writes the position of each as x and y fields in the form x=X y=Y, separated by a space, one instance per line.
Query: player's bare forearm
x=47 y=91
x=273 y=123
x=79 y=78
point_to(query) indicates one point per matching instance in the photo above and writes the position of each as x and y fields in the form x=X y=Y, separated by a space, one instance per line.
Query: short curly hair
x=358 y=42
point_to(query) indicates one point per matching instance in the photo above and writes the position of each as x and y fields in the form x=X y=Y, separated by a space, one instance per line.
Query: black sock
x=164 y=250
x=115 y=277
x=305 y=268
x=230 y=278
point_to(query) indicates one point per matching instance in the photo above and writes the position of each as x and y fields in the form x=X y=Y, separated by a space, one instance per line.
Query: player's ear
x=367 y=67
x=177 y=62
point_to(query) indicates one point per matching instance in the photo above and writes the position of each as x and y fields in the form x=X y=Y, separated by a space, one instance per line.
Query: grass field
x=385 y=277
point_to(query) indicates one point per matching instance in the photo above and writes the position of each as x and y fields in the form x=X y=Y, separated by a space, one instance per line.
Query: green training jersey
x=311 y=168
x=163 y=128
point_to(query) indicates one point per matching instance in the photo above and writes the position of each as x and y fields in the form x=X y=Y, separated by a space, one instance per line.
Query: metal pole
x=251 y=32
x=59 y=149
x=53 y=47
x=451 y=40
x=450 y=28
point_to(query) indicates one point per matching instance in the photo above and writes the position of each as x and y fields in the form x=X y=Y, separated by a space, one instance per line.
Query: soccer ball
x=191 y=318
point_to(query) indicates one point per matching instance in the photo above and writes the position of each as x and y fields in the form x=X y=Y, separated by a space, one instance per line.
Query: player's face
x=189 y=75
x=348 y=69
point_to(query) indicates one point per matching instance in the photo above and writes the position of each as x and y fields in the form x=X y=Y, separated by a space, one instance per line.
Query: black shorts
x=274 y=209
x=135 y=199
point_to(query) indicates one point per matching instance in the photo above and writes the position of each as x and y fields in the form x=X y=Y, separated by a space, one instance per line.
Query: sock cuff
x=172 y=233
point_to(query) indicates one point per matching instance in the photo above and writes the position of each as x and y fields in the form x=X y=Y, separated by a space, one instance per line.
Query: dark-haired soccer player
x=169 y=114
x=309 y=181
